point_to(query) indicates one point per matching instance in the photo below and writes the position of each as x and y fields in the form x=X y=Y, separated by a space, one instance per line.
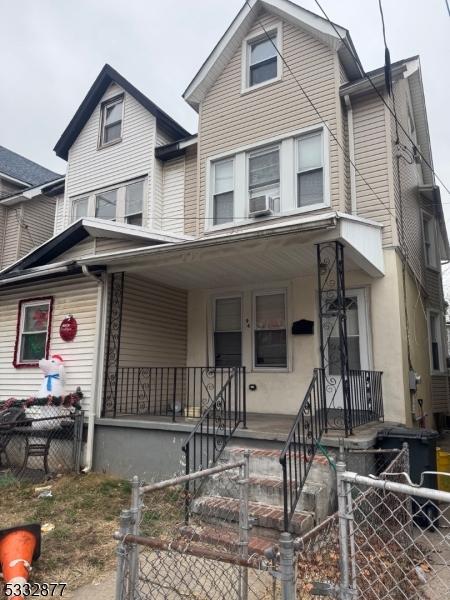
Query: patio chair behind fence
x=389 y=540
x=207 y=552
x=39 y=443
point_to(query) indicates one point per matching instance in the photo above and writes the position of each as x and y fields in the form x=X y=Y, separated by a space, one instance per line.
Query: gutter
x=175 y=149
x=351 y=152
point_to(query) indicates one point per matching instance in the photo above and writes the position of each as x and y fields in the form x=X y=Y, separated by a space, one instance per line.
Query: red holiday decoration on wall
x=68 y=328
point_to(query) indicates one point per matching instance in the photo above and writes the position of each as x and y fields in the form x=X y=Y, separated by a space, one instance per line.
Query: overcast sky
x=52 y=50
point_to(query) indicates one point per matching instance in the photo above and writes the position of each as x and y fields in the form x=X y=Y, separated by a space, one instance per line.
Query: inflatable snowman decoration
x=54 y=377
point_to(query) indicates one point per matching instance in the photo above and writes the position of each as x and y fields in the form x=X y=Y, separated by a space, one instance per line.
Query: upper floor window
x=264 y=180
x=33 y=331
x=435 y=337
x=223 y=191
x=429 y=241
x=106 y=205
x=111 y=121
x=261 y=60
x=80 y=208
x=134 y=194
x=310 y=169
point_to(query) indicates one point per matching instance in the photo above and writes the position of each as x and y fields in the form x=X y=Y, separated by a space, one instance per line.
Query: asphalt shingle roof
x=23 y=169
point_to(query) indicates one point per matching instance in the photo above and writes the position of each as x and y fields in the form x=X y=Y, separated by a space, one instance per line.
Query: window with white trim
x=111 y=121
x=310 y=168
x=264 y=180
x=134 y=195
x=228 y=332
x=80 y=208
x=270 y=334
x=106 y=205
x=429 y=241
x=262 y=59
x=223 y=191
x=33 y=331
x=435 y=335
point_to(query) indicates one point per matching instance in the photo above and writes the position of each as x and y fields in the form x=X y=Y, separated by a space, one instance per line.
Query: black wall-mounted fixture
x=252 y=387
x=303 y=327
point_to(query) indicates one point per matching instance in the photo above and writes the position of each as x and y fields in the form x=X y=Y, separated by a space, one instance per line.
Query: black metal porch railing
x=226 y=411
x=175 y=392
x=317 y=415
x=300 y=448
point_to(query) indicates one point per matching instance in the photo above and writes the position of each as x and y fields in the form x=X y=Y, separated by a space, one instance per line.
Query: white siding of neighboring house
x=59 y=215
x=90 y=169
x=38 y=219
x=77 y=296
x=11 y=235
x=191 y=191
x=173 y=196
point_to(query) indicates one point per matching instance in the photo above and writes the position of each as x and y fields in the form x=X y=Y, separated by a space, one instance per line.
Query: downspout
x=351 y=152
x=96 y=380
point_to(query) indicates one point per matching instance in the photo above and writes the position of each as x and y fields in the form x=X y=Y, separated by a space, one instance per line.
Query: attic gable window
x=261 y=59
x=111 y=121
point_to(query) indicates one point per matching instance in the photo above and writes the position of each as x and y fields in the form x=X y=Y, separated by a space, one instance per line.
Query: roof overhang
x=432 y=193
x=233 y=36
x=169 y=151
x=39 y=190
x=13 y=179
x=363 y=85
x=272 y=252
x=106 y=76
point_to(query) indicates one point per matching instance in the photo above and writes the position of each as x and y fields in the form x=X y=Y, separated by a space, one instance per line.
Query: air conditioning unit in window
x=261 y=206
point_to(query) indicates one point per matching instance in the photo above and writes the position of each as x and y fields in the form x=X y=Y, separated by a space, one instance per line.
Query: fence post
x=343 y=530
x=134 y=553
x=244 y=522
x=287 y=570
x=121 y=552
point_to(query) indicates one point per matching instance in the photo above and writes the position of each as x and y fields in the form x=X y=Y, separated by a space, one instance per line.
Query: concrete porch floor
x=270 y=427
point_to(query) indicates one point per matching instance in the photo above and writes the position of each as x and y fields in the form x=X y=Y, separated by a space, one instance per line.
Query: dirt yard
x=81 y=516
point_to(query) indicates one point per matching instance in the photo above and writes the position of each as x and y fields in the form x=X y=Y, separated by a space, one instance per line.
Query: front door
x=358 y=346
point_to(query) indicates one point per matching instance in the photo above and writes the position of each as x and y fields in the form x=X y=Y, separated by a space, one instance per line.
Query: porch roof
x=248 y=255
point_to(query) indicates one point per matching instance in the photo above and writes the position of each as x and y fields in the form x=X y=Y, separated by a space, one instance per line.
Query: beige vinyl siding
x=91 y=245
x=154 y=325
x=104 y=245
x=2 y=230
x=38 y=223
x=229 y=119
x=11 y=235
x=191 y=191
x=173 y=196
x=440 y=400
x=59 y=215
x=77 y=296
x=80 y=250
x=91 y=169
x=157 y=192
x=371 y=158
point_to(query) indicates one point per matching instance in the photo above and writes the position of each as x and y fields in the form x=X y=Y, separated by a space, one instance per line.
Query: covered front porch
x=237 y=330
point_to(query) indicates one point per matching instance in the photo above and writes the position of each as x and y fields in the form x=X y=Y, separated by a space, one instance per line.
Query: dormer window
x=111 y=123
x=261 y=59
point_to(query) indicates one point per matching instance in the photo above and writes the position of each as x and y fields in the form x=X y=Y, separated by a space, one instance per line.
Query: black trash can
x=422 y=457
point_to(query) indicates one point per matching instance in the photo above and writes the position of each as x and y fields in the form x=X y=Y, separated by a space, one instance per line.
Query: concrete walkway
x=104 y=589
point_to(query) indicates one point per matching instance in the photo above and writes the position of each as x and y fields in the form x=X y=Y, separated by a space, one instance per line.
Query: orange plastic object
x=18 y=547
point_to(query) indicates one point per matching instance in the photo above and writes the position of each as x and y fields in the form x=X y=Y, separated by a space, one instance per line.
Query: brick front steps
x=265 y=517
x=224 y=537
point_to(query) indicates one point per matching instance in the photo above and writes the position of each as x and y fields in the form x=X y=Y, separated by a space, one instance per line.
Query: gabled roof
x=233 y=36
x=79 y=231
x=106 y=76
x=23 y=170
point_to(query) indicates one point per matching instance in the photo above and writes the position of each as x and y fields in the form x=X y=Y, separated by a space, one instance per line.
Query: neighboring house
x=186 y=258
x=28 y=196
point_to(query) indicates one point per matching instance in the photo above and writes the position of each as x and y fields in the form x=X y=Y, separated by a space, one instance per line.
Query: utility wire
x=369 y=79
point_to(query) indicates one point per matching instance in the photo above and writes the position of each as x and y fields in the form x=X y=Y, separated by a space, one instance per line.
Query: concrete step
x=225 y=537
x=264 y=517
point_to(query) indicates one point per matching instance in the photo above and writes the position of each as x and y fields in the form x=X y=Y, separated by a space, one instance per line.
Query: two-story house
x=288 y=255
x=28 y=196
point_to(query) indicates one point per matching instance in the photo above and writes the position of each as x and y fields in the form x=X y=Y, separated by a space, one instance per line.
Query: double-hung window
x=435 y=334
x=262 y=59
x=429 y=241
x=33 y=331
x=310 y=169
x=228 y=332
x=270 y=339
x=106 y=205
x=111 y=121
x=134 y=194
x=80 y=208
x=264 y=179
x=223 y=191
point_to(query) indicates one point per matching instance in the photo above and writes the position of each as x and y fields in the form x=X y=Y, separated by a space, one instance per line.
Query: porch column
x=332 y=325
x=112 y=354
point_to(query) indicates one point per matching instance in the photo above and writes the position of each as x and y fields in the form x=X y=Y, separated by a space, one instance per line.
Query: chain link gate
x=176 y=543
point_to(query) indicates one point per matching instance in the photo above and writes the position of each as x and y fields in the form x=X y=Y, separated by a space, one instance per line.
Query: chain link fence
x=38 y=442
x=192 y=537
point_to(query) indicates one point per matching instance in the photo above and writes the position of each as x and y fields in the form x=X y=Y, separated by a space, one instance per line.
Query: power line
x=448 y=7
x=367 y=76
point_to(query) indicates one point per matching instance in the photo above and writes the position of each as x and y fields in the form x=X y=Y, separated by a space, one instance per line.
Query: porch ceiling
x=225 y=261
